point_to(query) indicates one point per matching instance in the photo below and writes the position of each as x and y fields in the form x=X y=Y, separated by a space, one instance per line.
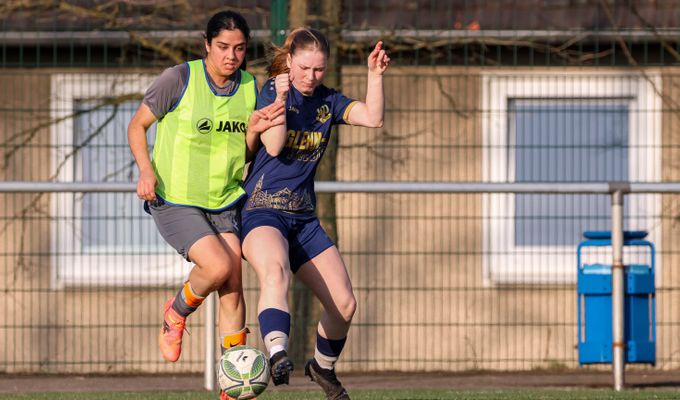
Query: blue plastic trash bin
x=594 y=292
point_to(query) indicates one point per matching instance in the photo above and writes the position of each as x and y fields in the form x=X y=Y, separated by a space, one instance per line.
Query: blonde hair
x=298 y=39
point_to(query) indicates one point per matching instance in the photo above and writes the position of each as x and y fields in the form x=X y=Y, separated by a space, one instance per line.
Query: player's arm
x=163 y=95
x=260 y=121
x=140 y=122
x=274 y=138
x=371 y=113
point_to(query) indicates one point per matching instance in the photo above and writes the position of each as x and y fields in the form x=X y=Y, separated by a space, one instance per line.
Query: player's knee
x=277 y=276
x=219 y=274
x=347 y=308
x=232 y=284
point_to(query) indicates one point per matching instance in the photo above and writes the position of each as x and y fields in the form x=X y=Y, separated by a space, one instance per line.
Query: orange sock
x=192 y=299
x=229 y=340
x=187 y=301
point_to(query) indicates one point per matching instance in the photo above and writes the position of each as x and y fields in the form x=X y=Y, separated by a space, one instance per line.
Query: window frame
x=75 y=268
x=505 y=263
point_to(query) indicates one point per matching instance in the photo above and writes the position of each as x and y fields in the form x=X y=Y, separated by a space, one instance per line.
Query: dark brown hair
x=230 y=21
x=298 y=39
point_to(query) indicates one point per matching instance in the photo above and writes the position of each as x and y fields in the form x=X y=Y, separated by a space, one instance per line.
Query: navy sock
x=328 y=351
x=275 y=329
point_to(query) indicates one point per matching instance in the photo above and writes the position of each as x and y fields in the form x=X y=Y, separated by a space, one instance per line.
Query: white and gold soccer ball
x=243 y=372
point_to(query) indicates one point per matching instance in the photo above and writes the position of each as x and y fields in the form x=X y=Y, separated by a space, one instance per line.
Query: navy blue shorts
x=306 y=238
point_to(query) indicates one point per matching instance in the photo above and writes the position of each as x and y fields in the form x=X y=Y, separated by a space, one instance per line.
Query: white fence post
x=209 y=374
x=618 y=274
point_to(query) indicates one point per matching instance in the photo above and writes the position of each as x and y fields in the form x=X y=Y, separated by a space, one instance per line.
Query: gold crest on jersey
x=323 y=113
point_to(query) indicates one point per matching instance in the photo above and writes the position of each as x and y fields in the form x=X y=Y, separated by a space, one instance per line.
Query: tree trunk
x=297 y=16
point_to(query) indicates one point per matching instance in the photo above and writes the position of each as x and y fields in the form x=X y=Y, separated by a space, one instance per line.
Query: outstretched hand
x=378 y=61
x=266 y=117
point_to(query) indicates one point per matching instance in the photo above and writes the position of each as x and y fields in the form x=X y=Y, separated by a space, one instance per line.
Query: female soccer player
x=281 y=233
x=206 y=127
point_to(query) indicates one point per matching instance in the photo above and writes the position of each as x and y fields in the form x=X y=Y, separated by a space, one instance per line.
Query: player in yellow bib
x=206 y=129
x=200 y=149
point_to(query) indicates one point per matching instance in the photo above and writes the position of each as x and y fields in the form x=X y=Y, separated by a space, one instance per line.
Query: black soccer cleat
x=280 y=367
x=327 y=380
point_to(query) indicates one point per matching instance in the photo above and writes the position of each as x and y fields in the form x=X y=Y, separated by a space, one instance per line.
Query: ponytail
x=278 y=64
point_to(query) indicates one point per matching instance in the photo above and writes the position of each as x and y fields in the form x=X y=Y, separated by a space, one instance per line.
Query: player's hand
x=378 y=61
x=146 y=186
x=282 y=85
x=266 y=117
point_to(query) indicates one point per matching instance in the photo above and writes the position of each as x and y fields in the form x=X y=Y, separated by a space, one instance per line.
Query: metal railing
x=616 y=190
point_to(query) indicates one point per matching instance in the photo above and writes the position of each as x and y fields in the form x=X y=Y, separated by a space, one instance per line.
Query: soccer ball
x=243 y=372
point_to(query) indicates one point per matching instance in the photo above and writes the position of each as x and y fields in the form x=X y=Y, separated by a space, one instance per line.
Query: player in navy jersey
x=280 y=232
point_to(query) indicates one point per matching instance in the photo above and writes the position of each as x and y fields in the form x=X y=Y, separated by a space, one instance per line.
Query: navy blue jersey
x=286 y=183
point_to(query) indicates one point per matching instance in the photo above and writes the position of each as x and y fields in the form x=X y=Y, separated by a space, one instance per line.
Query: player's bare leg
x=326 y=275
x=214 y=266
x=273 y=271
x=232 y=310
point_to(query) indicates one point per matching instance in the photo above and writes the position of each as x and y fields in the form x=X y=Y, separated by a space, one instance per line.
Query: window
x=557 y=127
x=102 y=238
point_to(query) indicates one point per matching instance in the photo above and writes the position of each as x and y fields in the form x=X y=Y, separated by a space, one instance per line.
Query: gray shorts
x=182 y=226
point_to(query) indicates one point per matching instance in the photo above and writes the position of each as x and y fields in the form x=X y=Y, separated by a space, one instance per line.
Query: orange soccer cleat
x=170 y=338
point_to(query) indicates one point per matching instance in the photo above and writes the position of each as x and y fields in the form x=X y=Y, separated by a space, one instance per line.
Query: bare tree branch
x=23 y=212
x=160 y=48
x=28 y=135
x=653 y=29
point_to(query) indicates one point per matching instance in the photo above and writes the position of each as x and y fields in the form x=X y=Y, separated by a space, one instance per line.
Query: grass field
x=374 y=395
